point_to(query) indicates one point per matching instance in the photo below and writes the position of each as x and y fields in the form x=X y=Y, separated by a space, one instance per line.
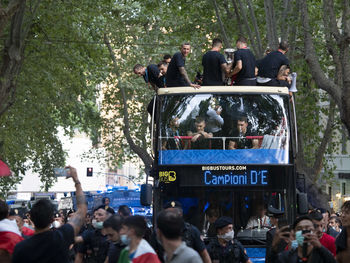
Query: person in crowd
x=260 y=219
x=171 y=143
x=342 y=242
x=138 y=249
x=326 y=228
x=169 y=231
x=58 y=220
x=93 y=244
x=150 y=74
x=26 y=232
x=275 y=216
x=124 y=211
x=105 y=205
x=176 y=74
x=190 y=235
x=200 y=136
x=111 y=228
x=27 y=222
x=10 y=235
x=212 y=214
x=214 y=65
x=46 y=245
x=271 y=64
x=224 y=248
x=326 y=240
x=307 y=246
x=335 y=223
x=167 y=58
x=241 y=132
x=244 y=64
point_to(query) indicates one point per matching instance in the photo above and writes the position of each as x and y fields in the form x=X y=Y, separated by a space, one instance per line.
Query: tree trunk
x=271 y=24
x=226 y=40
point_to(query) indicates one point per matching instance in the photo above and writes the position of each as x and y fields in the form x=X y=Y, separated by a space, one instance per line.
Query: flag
x=4 y=169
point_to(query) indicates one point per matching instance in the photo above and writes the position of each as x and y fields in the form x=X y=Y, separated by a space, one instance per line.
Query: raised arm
x=79 y=217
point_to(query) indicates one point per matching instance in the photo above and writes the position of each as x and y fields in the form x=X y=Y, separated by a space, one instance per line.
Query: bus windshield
x=224 y=129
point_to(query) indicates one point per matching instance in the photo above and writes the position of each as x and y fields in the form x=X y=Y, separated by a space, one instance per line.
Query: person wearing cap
x=275 y=216
x=225 y=248
x=190 y=235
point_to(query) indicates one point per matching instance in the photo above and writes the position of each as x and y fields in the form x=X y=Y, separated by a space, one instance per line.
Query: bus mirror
x=146 y=194
x=302 y=203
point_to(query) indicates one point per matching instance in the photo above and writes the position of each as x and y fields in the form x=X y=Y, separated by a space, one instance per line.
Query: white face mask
x=227 y=236
x=56 y=224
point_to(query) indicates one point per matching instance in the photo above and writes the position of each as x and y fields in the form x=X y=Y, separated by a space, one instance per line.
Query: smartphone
x=60 y=172
x=305 y=231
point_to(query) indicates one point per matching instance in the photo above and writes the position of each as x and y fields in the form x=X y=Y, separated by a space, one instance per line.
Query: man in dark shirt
x=270 y=65
x=151 y=75
x=112 y=227
x=51 y=246
x=245 y=64
x=214 y=65
x=242 y=132
x=176 y=75
x=224 y=248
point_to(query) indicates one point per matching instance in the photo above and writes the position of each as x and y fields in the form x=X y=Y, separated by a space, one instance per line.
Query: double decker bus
x=230 y=149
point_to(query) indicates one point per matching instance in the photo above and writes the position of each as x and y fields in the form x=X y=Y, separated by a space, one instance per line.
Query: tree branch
x=346 y=21
x=312 y=59
x=271 y=24
x=145 y=157
x=8 y=12
x=256 y=29
x=236 y=14
x=329 y=16
x=226 y=40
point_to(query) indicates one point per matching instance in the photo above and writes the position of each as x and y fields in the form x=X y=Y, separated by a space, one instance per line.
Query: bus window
x=224 y=129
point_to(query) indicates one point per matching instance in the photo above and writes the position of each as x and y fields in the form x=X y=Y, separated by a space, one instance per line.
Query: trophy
x=229 y=54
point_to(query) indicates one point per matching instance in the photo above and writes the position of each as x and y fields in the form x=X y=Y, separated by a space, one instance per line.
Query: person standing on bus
x=214 y=65
x=244 y=64
x=151 y=75
x=271 y=64
x=176 y=75
x=224 y=248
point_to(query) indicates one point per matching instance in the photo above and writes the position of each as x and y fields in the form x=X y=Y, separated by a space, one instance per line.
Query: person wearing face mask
x=308 y=249
x=111 y=228
x=169 y=231
x=138 y=250
x=225 y=248
x=94 y=244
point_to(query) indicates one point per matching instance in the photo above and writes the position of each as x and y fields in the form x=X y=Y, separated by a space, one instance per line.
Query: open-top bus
x=243 y=157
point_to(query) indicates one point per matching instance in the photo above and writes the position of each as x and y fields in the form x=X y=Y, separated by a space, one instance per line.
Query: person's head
x=335 y=222
x=169 y=225
x=101 y=215
x=261 y=210
x=345 y=214
x=42 y=214
x=18 y=218
x=185 y=49
x=163 y=67
x=174 y=206
x=106 y=201
x=167 y=58
x=213 y=214
x=241 y=42
x=58 y=220
x=283 y=72
x=200 y=124
x=224 y=228
x=112 y=227
x=139 y=70
x=283 y=46
x=217 y=44
x=267 y=51
x=317 y=220
x=302 y=224
x=134 y=228
x=242 y=124
x=174 y=123
x=4 y=210
x=124 y=211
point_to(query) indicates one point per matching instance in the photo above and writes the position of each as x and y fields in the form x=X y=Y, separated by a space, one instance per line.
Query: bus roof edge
x=224 y=89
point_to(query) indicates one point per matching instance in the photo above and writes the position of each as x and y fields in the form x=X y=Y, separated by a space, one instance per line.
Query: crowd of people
x=243 y=70
x=109 y=236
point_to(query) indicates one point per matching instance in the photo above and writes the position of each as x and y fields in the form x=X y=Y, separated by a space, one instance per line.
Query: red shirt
x=27 y=231
x=328 y=242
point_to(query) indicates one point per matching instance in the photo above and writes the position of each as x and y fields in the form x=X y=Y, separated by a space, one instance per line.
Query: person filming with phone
x=304 y=244
x=52 y=246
